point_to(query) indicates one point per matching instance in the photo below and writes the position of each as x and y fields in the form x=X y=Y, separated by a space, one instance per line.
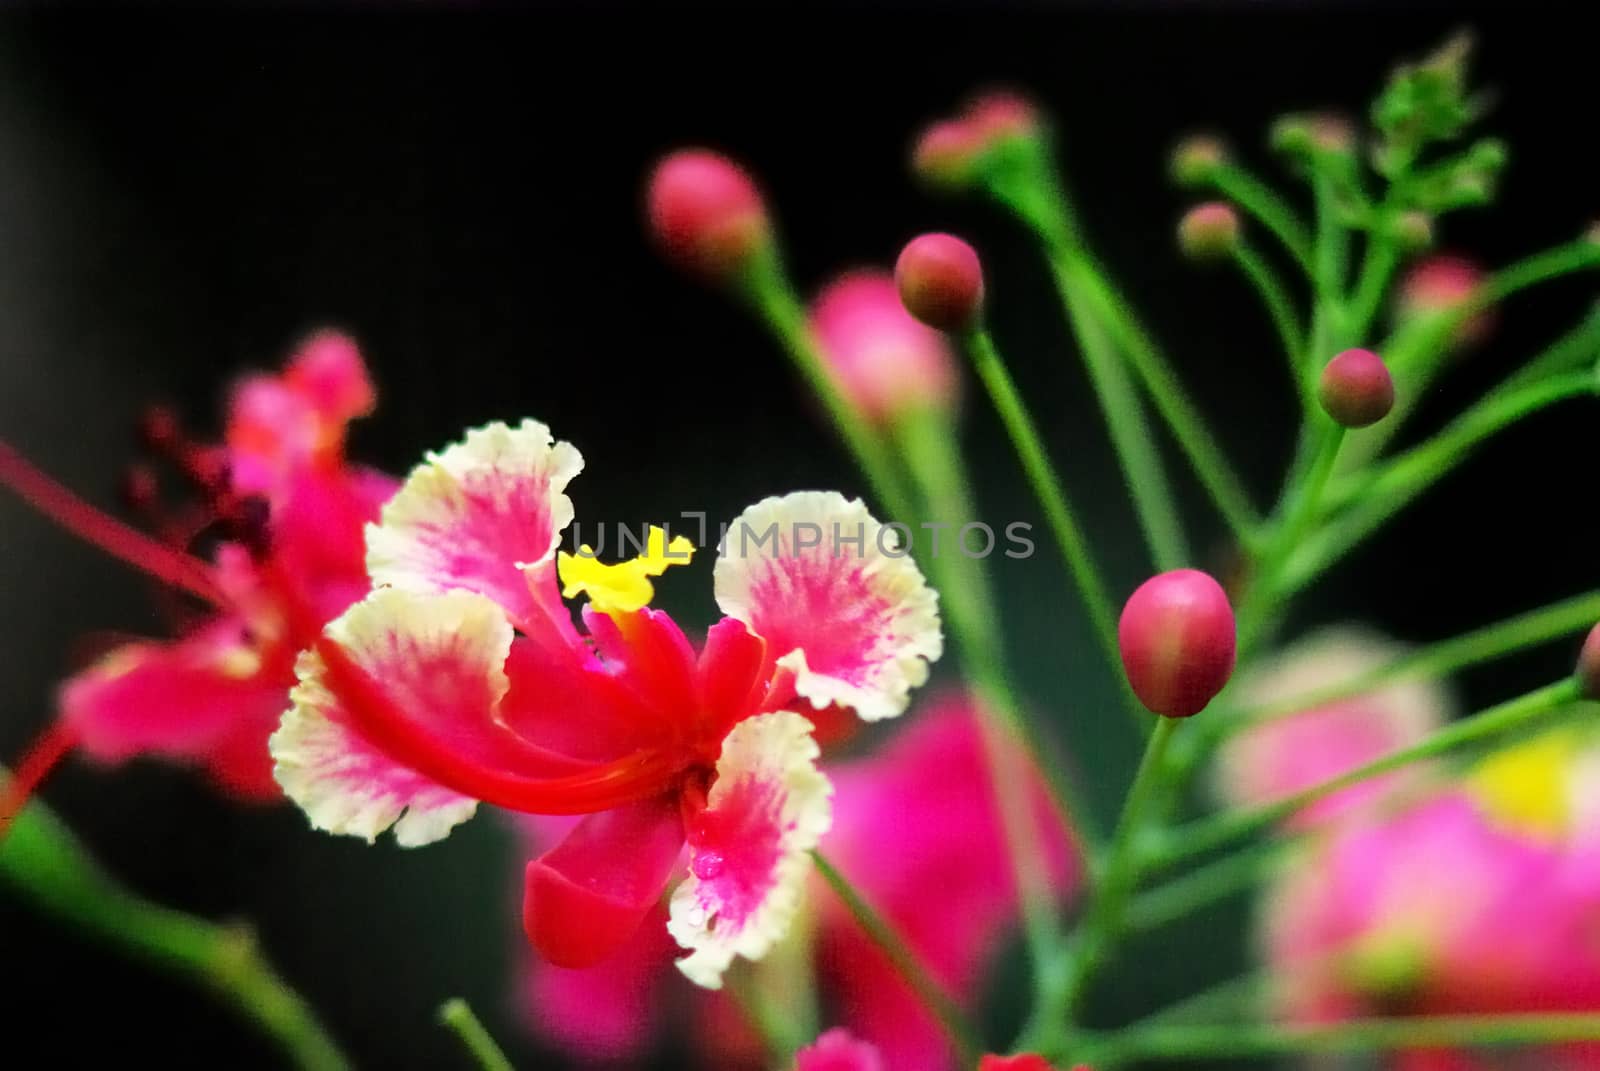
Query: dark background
x=183 y=193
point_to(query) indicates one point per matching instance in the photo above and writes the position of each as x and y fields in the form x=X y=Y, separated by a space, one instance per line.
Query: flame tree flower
x=286 y=510
x=462 y=678
x=948 y=835
x=1480 y=899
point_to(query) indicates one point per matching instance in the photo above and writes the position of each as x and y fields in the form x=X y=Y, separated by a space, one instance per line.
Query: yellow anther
x=623 y=587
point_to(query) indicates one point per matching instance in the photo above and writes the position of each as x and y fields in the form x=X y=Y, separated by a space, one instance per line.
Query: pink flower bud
x=941 y=281
x=706 y=213
x=1356 y=389
x=1004 y=113
x=1440 y=284
x=884 y=361
x=945 y=153
x=839 y=1050
x=1196 y=160
x=1589 y=665
x=1177 y=637
x=1027 y=1061
x=1209 y=231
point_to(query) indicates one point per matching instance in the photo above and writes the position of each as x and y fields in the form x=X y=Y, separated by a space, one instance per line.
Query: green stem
x=1178 y=898
x=928 y=441
x=1244 y=1041
x=1280 y=307
x=933 y=996
x=1258 y=199
x=1131 y=438
x=49 y=867
x=769 y=293
x=1377 y=269
x=1108 y=902
x=1373 y=500
x=1207 y=834
x=1302 y=507
x=1194 y=438
x=457 y=1015
x=1051 y=493
x=1441 y=659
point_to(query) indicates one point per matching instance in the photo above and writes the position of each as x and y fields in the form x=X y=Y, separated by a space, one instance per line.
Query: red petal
x=585 y=897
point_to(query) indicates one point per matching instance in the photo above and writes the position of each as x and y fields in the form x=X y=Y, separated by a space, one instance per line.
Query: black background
x=182 y=193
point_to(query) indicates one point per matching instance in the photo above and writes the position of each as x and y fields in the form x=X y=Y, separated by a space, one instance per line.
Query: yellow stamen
x=623 y=587
x=1527 y=788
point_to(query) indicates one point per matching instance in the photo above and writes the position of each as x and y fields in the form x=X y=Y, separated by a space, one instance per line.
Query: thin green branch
x=456 y=1014
x=47 y=866
x=1208 y=834
x=1172 y=402
x=1372 y=500
x=1131 y=438
x=1254 y=1040
x=1291 y=336
x=1047 y=486
x=1258 y=199
x=770 y=294
x=1108 y=901
x=1180 y=897
x=883 y=934
x=1441 y=659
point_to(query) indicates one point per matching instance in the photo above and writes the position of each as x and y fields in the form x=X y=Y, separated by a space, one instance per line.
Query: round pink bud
x=1589 y=666
x=945 y=153
x=1209 y=231
x=1440 y=284
x=941 y=281
x=1196 y=160
x=706 y=213
x=1356 y=389
x=1177 y=638
x=885 y=362
x=1003 y=113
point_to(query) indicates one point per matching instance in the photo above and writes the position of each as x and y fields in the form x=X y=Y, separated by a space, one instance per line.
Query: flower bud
x=945 y=153
x=941 y=281
x=1177 y=638
x=1441 y=284
x=1196 y=160
x=706 y=213
x=1356 y=389
x=1209 y=231
x=1003 y=114
x=160 y=432
x=884 y=362
x=1589 y=666
x=1413 y=231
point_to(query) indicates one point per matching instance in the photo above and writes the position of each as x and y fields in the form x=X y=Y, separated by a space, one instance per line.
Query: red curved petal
x=585 y=897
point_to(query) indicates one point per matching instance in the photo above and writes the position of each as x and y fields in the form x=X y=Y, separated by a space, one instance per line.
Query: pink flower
x=462 y=678
x=1440 y=909
x=1286 y=754
x=885 y=363
x=947 y=836
x=289 y=511
x=839 y=1050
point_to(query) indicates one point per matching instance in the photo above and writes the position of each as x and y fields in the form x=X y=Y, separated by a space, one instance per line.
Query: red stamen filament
x=44 y=756
x=98 y=529
x=600 y=787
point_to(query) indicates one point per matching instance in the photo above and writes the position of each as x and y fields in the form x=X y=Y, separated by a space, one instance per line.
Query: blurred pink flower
x=289 y=512
x=1283 y=755
x=1439 y=909
x=947 y=886
x=885 y=362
